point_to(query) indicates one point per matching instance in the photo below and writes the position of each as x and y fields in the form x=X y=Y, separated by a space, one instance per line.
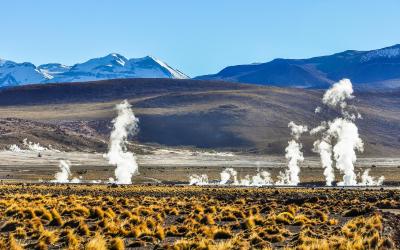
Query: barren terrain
x=203 y=114
x=175 y=166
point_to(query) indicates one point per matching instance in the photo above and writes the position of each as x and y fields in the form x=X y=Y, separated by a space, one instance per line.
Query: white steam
x=227 y=174
x=199 y=180
x=324 y=148
x=63 y=175
x=344 y=151
x=337 y=145
x=294 y=155
x=229 y=177
x=297 y=130
x=367 y=180
x=124 y=124
x=344 y=132
x=262 y=178
x=338 y=94
x=33 y=146
x=30 y=146
x=15 y=148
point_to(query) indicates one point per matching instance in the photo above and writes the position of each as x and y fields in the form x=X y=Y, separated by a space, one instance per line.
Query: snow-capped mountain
x=12 y=74
x=367 y=69
x=112 y=66
x=53 y=69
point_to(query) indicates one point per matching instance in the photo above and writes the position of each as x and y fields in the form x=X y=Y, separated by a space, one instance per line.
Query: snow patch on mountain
x=391 y=52
x=53 y=68
x=12 y=73
x=112 y=66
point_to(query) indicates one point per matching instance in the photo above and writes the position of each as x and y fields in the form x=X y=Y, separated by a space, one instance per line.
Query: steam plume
x=367 y=180
x=338 y=94
x=294 y=156
x=15 y=148
x=262 y=178
x=124 y=124
x=33 y=146
x=226 y=176
x=348 y=141
x=200 y=180
x=324 y=148
x=63 y=175
x=344 y=131
x=297 y=130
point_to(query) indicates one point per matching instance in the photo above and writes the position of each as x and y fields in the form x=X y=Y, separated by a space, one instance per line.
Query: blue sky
x=197 y=37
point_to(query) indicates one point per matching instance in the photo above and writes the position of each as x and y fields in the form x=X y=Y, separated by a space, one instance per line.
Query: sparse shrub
x=300 y=220
x=57 y=220
x=222 y=234
x=207 y=220
x=41 y=245
x=47 y=215
x=159 y=233
x=284 y=218
x=97 y=213
x=135 y=220
x=48 y=237
x=10 y=225
x=321 y=216
x=13 y=243
x=72 y=240
x=12 y=210
x=96 y=243
x=83 y=229
x=20 y=233
x=117 y=244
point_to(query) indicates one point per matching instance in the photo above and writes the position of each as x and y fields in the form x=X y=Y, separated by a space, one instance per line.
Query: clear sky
x=197 y=37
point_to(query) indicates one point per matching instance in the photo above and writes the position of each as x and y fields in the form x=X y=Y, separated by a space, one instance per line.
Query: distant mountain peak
x=370 y=69
x=117 y=57
x=111 y=66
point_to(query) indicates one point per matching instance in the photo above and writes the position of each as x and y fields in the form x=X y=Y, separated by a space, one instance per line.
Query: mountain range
x=112 y=66
x=372 y=69
x=367 y=69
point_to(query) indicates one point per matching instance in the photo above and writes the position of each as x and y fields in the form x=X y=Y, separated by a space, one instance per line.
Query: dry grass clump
x=70 y=239
x=98 y=217
x=117 y=244
x=57 y=219
x=13 y=243
x=97 y=243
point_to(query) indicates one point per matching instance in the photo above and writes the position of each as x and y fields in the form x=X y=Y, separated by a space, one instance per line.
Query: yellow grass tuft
x=96 y=243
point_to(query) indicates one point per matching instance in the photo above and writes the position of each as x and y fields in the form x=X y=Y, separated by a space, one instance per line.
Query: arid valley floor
x=174 y=166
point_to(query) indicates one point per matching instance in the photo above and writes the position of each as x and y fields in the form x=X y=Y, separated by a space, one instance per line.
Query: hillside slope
x=206 y=114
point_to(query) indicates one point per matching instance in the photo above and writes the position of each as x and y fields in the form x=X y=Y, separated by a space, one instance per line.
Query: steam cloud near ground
x=64 y=175
x=31 y=146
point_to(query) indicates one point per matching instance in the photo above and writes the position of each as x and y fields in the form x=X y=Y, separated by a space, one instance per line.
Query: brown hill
x=207 y=114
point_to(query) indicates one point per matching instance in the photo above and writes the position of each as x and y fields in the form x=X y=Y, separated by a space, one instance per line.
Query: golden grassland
x=170 y=217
